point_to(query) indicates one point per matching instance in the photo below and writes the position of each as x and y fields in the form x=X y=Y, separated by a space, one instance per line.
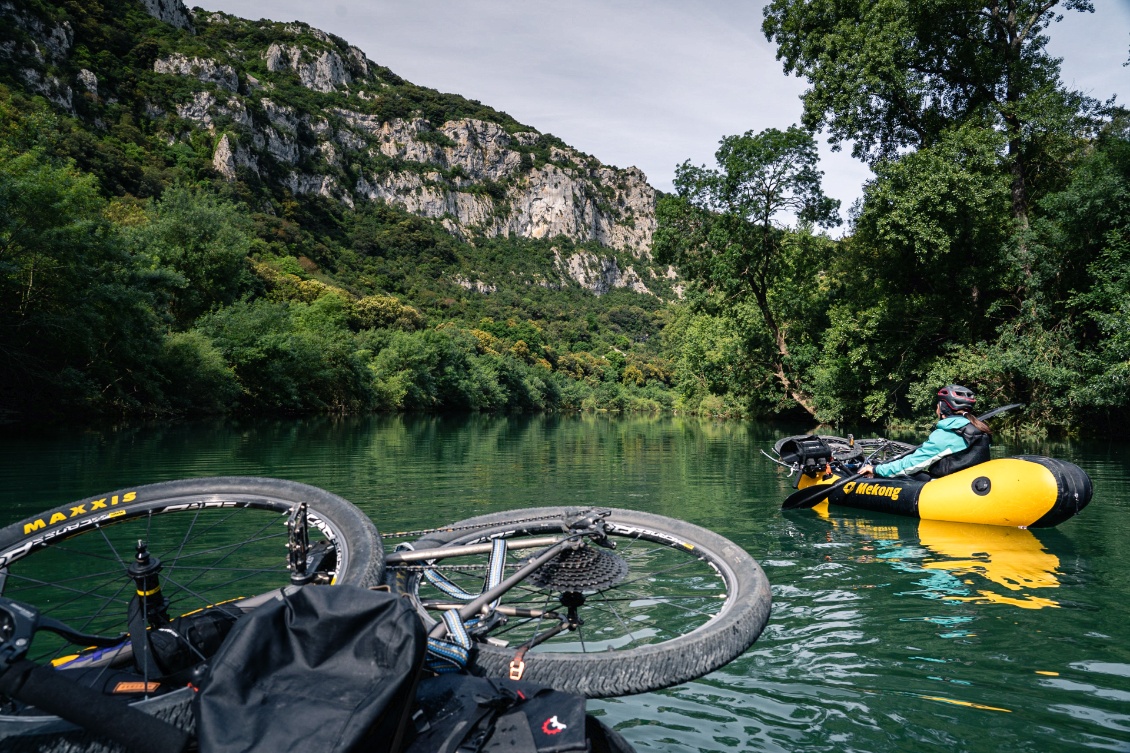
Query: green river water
x=887 y=634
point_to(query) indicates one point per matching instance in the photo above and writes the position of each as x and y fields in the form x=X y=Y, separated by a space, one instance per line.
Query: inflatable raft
x=1026 y=491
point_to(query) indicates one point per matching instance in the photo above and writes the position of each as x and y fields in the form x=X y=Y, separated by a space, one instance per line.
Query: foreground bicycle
x=589 y=601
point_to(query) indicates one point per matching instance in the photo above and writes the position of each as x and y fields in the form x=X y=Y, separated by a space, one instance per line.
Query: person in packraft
x=959 y=440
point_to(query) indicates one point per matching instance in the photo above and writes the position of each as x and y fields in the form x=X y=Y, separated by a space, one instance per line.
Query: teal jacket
x=943 y=440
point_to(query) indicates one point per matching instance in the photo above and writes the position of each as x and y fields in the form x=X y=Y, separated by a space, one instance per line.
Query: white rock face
x=203 y=69
x=55 y=91
x=470 y=175
x=613 y=207
x=58 y=42
x=477 y=286
x=35 y=47
x=481 y=149
x=199 y=109
x=281 y=147
x=223 y=159
x=170 y=11
x=321 y=185
x=228 y=157
x=598 y=274
x=89 y=81
x=283 y=118
x=205 y=107
x=411 y=192
x=322 y=71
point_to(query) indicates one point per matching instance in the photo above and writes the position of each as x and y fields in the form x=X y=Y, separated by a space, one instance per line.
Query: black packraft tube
x=50 y=692
x=890 y=495
x=1073 y=485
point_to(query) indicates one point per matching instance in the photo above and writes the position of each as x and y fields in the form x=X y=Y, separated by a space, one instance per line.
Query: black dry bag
x=321 y=669
x=461 y=714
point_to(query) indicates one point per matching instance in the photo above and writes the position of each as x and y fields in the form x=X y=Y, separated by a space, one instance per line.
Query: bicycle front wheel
x=670 y=603
x=227 y=540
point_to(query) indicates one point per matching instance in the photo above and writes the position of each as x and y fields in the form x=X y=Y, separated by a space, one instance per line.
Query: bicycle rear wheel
x=228 y=540
x=688 y=602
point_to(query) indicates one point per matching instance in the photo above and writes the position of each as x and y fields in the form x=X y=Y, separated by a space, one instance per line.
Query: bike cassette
x=583 y=569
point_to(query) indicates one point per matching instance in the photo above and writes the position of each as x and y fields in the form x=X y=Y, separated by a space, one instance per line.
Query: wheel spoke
x=106 y=602
x=21 y=578
x=255 y=537
x=655 y=590
x=616 y=613
x=184 y=539
x=235 y=545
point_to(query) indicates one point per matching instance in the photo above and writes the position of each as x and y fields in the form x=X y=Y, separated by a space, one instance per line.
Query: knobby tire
x=723 y=637
x=359 y=552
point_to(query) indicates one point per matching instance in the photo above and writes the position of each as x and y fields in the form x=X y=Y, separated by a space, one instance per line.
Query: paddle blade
x=813 y=495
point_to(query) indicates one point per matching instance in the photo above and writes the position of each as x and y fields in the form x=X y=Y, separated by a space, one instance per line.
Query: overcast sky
x=648 y=83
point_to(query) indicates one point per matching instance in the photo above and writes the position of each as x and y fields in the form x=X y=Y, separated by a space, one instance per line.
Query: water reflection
x=960 y=561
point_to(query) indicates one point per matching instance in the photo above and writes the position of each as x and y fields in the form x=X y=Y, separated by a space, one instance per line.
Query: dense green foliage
x=183 y=304
x=989 y=249
x=901 y=73
x=992 y=247
x=719 y=230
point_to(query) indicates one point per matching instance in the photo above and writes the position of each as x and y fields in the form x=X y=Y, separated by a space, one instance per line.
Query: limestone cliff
x=302 y=111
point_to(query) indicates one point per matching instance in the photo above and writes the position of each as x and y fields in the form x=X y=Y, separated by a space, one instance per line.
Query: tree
x=891 y=74
x=720 y=228
x=78 y=326
x=203 y=239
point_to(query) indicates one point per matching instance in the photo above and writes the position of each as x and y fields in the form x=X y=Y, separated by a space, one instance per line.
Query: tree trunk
x=797 y=395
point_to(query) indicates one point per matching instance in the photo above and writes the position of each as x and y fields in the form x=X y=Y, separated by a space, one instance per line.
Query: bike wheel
x=689 y=602
x=227 y=540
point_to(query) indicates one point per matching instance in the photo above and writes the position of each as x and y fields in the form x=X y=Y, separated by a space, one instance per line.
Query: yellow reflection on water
x=1011 y=558
x=956 y=702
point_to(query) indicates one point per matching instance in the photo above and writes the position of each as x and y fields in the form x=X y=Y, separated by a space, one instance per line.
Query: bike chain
x=430 y=568
x=448 y=529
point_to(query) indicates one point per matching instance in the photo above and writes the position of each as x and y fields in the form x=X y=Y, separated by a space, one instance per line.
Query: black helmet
x=953 y=398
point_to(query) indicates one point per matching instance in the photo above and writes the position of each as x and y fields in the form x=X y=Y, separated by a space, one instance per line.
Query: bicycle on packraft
x=119 y=597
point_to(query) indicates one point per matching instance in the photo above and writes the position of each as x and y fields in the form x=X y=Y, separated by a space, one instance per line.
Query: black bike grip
x=51 y=692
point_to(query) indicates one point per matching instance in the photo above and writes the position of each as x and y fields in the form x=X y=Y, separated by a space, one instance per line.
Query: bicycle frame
x=555 y=544
x=486 y=603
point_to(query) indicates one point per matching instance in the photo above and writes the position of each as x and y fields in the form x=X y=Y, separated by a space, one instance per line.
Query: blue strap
x=494 y=575
x=451 y=654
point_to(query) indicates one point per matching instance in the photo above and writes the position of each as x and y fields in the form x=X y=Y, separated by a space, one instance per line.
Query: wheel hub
x=587 y=568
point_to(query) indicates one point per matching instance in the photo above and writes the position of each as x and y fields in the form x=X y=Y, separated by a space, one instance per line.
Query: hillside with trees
x=206 y=214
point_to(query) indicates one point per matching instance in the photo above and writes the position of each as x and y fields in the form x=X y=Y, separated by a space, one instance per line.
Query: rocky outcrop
x=319 y=185
x=580 y=199
x=230 y=156
x=31 y=54
x=89 y=81
x=598 y=274
x=203 y=69
x=170 y=11
x=477 y=286
x=323 y=71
